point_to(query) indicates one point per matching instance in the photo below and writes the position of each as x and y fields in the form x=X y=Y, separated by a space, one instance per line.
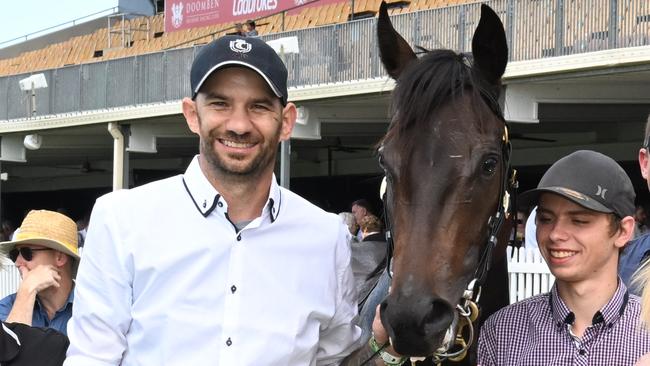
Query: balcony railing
x=344 y=52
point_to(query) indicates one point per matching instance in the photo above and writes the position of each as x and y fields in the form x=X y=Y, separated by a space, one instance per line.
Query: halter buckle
x=474 y=311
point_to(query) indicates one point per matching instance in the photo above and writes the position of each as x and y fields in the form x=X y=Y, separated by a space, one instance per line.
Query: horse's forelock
x=436 y=78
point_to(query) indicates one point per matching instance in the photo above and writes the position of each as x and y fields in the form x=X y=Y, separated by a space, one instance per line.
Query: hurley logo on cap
x=240 y=45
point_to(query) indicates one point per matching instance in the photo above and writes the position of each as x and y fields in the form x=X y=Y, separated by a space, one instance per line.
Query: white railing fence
x=528 y=273
x=9 y=278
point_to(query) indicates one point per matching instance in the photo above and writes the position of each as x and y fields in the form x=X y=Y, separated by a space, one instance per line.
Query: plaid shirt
x=536 y=332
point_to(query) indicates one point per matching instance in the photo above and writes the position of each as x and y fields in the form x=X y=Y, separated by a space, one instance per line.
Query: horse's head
x=445 y=158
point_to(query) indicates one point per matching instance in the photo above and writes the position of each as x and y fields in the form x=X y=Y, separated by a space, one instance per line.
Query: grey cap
x=590 y=179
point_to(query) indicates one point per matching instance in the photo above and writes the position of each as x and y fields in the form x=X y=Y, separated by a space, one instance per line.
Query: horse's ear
x=489 y=46
x=394 y=51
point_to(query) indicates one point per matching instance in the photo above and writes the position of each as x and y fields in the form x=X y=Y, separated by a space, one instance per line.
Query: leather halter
x=467 y=307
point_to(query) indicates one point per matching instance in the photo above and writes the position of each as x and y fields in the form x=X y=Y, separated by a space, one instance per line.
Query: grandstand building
x=109 y=118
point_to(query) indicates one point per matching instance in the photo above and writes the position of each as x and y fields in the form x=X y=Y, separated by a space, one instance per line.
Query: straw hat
x=48 y=229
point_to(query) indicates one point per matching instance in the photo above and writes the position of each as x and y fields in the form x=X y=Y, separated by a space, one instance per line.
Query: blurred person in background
x=46 y=254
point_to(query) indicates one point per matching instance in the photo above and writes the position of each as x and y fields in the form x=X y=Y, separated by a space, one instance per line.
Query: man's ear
x=191 y=115
x=643 y=163
x=626 y=232
x=289 y=115
x=61 y=259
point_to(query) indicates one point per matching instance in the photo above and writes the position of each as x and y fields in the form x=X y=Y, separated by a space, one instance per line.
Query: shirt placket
x=230 y=337
x=583 y=346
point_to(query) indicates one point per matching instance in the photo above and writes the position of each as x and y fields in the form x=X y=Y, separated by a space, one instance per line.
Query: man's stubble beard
x=220 y=167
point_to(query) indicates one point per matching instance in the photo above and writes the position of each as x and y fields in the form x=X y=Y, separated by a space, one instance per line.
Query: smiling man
x=244 y=280
x=584 y=217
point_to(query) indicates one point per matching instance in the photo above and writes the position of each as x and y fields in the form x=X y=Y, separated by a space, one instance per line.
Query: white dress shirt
x=166 y=279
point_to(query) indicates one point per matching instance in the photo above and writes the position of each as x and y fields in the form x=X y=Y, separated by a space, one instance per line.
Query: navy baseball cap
x=588 y=178
x=250 y=52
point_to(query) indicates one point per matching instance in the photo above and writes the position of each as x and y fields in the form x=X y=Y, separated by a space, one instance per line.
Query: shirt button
x=205 y=203
x=228 y=342
x=582 y=352
x=220 y=204
x=233 y=288
x=239 y=237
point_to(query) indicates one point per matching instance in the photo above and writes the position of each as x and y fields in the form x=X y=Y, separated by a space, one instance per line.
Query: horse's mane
x=429 y=82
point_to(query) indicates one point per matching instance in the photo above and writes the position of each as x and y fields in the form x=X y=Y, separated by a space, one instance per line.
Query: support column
x=120 y=157
x=285 y=163
x=462 y=23
x=510 y=20
x=612 y=34
x=559 y=28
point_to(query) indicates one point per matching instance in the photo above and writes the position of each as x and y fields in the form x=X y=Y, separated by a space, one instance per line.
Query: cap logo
x=600 y=192
x=240 y=46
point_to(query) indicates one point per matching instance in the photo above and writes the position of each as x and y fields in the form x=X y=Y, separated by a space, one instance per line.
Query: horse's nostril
x=439 y=305
x=440 y=316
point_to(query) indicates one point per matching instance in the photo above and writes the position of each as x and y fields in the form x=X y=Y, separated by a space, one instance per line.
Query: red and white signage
x=185 y=14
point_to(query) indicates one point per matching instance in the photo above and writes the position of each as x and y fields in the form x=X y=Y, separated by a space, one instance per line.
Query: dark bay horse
x=446 y=160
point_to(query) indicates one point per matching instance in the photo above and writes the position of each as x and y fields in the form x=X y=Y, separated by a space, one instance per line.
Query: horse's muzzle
x=416 y=325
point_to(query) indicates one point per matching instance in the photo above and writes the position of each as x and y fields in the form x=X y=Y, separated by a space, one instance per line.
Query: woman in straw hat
x=46 y=254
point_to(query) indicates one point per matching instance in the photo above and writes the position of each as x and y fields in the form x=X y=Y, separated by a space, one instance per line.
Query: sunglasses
x=26 y=252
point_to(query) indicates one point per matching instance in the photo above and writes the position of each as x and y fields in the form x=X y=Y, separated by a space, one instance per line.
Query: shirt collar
x=69 y=302
x=71 y=297
x=206 y=198
x=615 y=308
x=608 y=314
x=202 y=193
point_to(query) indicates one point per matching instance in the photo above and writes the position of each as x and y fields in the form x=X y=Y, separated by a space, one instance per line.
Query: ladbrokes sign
x=184 y=14
x=248 y=7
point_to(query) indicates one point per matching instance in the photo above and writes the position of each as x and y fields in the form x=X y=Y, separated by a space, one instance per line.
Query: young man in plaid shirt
x=586 y=203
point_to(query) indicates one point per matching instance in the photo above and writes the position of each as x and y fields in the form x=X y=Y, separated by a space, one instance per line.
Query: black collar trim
x=626 y=298
x=598 y=316
x=275 y=212
x=209 y=210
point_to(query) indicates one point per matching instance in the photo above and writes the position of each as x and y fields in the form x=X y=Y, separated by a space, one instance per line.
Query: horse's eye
x=490 y=165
